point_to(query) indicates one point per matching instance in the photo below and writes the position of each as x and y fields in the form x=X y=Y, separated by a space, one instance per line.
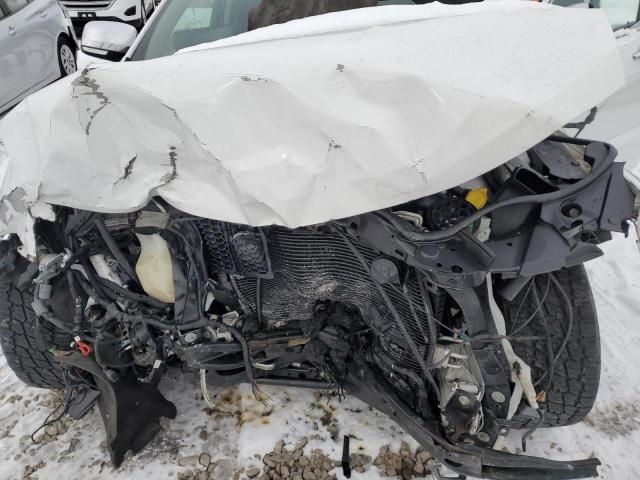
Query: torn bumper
x=464 y=459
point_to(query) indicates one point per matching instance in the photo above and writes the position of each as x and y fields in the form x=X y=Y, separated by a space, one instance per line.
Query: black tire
x=574 y=385
x=66 y=56
x=24 y=345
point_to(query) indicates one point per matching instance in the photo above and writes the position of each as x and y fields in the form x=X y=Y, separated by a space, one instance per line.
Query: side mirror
x=107 y=40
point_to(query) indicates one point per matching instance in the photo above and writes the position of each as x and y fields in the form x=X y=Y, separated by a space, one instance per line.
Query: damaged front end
x=404 y=308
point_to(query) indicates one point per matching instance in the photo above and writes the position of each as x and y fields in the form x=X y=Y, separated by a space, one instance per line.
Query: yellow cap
x=478 y=197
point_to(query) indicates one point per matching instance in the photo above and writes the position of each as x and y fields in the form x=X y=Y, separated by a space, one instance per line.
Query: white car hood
x=317 y=119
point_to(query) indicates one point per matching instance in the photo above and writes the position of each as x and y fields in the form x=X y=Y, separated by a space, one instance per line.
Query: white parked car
x=617 y=120
x=37 y=46
x=133 y=12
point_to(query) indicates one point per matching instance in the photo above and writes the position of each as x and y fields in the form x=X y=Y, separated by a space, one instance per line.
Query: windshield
x=184 y=23
x=621 y=13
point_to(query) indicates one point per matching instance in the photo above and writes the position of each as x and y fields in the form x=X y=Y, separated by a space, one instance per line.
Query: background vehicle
x=133 y=12
x=37 y=46
x=616 y=119
x=181 y=24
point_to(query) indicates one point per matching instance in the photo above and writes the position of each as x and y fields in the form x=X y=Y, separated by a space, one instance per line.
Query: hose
x=77 y=301
x=42 y=311
x=136 y=297
x=115 y=250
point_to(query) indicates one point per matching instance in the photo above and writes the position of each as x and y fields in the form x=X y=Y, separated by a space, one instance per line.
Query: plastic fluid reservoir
x=154 y=268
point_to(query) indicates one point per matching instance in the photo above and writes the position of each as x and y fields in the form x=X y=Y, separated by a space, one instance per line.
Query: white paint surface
x=313 y=120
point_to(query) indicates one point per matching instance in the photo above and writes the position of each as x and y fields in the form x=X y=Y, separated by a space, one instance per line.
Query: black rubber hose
x=293 y=382
x=235 y=333
x=115 y=250
x=80 y=255
x=41 y=311
x=439 y=235
x=428 y=309
x=529 y=432
x=196 y=263
x=77 y=302
x=136 y=297
x=93 y=278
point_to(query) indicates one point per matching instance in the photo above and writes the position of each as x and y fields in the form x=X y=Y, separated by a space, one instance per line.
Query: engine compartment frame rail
x=549 y=240
x=465 y=459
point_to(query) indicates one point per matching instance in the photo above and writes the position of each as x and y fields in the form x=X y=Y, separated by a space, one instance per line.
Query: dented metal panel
x=317 y=119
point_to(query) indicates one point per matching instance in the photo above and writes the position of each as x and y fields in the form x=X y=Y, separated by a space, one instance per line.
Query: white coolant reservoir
x=154 y=268
x=154 y=263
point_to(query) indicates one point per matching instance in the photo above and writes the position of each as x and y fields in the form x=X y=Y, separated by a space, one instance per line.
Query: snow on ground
x=243 y=431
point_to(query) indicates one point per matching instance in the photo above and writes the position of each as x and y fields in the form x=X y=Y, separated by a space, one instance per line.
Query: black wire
x=194 y=263
x=77 y=301
x=424 y=310
x=65 y=407
x=563 y=345
x=549 y=344
x=51 y=318
x=416 y=319
x=114 y=249
x=522 y=300
x=246 y=354
x=529 y=432
x=540 y=302
x=428 y=309
x=136 y=297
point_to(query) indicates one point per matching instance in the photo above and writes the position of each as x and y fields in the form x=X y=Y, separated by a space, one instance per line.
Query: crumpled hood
x=317 y=119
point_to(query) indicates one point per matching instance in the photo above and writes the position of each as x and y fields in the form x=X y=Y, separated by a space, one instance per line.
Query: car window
x=185 y=23
x=195 y=17
x=621 y=13
x=15 y=5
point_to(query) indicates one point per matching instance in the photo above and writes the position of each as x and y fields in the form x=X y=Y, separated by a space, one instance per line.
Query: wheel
x=570 y=395
x=25 y=346
x=66 y=57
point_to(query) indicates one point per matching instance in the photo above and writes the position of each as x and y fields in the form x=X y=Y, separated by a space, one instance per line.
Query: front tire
x=25 y=344
x=574 y=385
x=66 y=57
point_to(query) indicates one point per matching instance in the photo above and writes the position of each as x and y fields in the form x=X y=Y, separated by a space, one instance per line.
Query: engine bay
x=403 y=307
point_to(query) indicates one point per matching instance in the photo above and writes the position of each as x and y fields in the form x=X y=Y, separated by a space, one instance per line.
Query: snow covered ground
x=243 y=431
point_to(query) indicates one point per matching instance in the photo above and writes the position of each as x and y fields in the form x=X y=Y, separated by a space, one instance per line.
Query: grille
x=87 y=4
x=310 y=266
x=232 y=248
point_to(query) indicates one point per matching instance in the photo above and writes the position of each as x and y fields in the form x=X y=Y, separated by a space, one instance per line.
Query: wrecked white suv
x=372 y=201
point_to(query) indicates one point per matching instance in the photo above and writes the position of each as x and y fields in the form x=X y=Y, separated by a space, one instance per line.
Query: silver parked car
x=37 y=46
